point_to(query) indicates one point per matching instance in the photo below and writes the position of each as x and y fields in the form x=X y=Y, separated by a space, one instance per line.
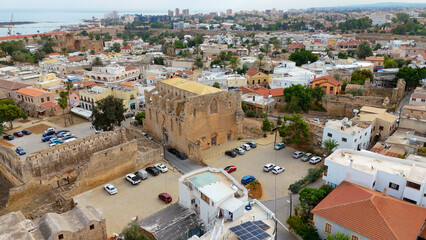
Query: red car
x=165 y=197
x=230 y=169
x=18 y=134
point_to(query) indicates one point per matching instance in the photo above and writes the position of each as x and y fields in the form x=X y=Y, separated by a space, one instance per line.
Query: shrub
x=354 y=92
x=310 y=149
x=250 y=114
x=294 y=188
x=313 y=175
x=308 y=232
x=294 y=222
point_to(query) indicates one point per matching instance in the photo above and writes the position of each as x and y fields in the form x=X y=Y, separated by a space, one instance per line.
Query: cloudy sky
x=193 y=5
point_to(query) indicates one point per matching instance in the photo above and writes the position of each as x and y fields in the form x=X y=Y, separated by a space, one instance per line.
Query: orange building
x=328 y=84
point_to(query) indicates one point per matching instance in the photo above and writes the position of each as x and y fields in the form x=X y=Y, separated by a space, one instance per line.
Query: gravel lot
x=252 y=162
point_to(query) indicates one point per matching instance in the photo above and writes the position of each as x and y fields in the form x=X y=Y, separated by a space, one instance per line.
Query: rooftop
x=372 y=214
x=368 y=114
x=190 y=86
x=370 y=162
x=346 y=126
x=32 y=92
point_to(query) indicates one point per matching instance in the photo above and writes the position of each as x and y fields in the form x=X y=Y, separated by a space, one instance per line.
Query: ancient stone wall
x=10 y=165
x=343 y=105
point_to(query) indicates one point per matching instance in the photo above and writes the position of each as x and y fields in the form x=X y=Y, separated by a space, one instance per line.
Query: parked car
x=268 y=167
x=49 y=129
x=230 y=169
x=62 y=131
x=18 y=134
x=279 y=146
x=129 y=115
x=173 y=151
x=110 y=189
x=161 y=167
x=45 y=139
x=66 y=134
x=317 y=120
x=315 y=160
x=141 y=174
x=247 y=179
x=20 y=151
x=306 y=157
x=8 y=137
x=49 y=133
x=26 y=132
x=298 y=154
x=181 y=156
x=152 y=170
x=53 y=144
x=252 y=144
x=231 y=153
x=70 y=139
x=165 y=197
x=239 y=151
x=55 y=140
x=245 y=147
x=132 y=178
x=277 y=170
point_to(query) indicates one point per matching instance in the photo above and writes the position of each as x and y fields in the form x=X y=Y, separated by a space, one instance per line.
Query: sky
x=193 y=5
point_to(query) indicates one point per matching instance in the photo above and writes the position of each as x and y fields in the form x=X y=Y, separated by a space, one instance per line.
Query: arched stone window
x=213 y=106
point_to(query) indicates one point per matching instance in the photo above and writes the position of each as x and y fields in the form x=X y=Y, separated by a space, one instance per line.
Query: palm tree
x=329 y=145
x=68 y=86
x=260 y=57
x=234 y=61
x=64 y=51
x=63 y=103
x=266 y=48
x=83 y=48
x=198 y=62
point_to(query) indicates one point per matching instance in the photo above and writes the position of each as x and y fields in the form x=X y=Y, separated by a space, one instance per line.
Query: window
x=380 y=128
x=193 y=201
x=92 y=227
x=413 y=185
x=353 y=237
x=328 y=228
x=205 y=198
x=413 y=99
x=213 y=106
x=329 y=135
x=331 y=89
x=423 y=100
x=61 y=236
x=258 y=81
x=355 y=140
x=409 y=200
x=394 y=186
x=48 y=99
x=344 y=139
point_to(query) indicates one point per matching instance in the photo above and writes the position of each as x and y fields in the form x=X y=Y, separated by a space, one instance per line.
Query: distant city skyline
x=201 y=6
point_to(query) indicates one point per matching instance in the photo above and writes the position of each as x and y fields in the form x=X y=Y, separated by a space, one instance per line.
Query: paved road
x=405 y=101
x=184 y=166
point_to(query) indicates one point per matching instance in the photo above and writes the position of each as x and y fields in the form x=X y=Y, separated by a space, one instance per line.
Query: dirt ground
x=252 y=128
x=255 y=192
x=59 y=120
x=39 y=128
x=6 y=143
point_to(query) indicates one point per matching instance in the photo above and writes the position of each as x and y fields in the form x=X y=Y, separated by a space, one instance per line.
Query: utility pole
x=291 y=202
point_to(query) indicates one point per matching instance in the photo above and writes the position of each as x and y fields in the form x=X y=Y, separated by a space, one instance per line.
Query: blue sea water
x=49 y=20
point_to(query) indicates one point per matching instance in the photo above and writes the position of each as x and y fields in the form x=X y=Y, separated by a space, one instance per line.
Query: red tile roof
x=32 y=92
x=295 y=46
x=266 y=92
x=126 y=47
x=128 y=84
x=130 y=68
x=49 y=104
x=325 y=79
x=423 y=54
x=375 y=58
x=29 y=36
x=9 y=85
x=252 y=71
x=87 y=84
x=371 y=214
x=418 y=95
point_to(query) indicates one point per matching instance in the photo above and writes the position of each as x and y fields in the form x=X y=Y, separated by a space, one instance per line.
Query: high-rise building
x=170 y=13
x=177 y=14
x=185 y=12
x=229 y=12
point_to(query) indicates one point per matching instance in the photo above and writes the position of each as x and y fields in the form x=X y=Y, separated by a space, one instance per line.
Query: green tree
x=158 y=61
x=293 y=105
x=133 y=232
x=216 y=85
x=116 y=47
x=329 y=144
x=312 y=196
x=295 y=130
x=69 y=87
x=250 y=114
x=412 y=76
x=354 y=92
x=64 y=51
x=234 y=62
x=244 y=106
x=9 y=112
x=97 y=62
x=402 y=17
x=317 y=93
x=359 y=76
x=198 y=62
x=108 y=113
x=260 y=59
x=279 y=121
x=63 y=103
x=342 y=55
x=266 y=125
x=390 y=63
x=140 y=117
x=303 y=56
x=302 y=94
x=338 y=236
x=179 y=44
x=363 y=50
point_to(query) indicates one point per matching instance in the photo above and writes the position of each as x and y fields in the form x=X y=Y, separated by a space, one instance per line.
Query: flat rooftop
x=190 y=86
x=346 y=126
x=371 y=162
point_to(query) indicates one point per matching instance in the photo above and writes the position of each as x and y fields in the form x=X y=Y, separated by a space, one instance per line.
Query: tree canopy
x=298 y=97
x=352 y=23
x=294 y=129
x=303 y=56
x=9 y=112
x=363 y=50
x=116 y=47
x=132 y=232
x=412 y=76
x=359 y=76
x=108 y=113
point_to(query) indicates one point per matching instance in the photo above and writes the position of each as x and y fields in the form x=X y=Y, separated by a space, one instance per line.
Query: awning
x=81 y=112
x=231 y=205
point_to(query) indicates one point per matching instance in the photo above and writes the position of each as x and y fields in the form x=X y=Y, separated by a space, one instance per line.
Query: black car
x=152 y=170
x=252 y=144
x=8 y=137
x=181 y=156
x=49 y=133
x=62 y=132
x=231 y=153
x=26 y=132
x=129 y=115
x=173 y=151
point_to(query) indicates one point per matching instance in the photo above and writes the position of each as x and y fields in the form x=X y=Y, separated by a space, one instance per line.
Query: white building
x=287 y=74
x=380 y=18
x=348 y=135
x=401 y=178
x=112 y=74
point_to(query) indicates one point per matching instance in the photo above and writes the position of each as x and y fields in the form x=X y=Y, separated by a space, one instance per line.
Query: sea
x=48 y=20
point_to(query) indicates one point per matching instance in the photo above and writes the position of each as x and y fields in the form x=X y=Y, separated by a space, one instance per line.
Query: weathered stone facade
x=192 y=117
x=72 y=42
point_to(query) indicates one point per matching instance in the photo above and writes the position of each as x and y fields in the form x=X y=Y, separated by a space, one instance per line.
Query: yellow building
x=256 y=77
x=90 y=96
x=328 y=84
x=383 y=124
x=49 y=82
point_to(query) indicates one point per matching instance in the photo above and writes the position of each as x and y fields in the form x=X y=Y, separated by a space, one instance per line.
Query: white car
x=53 y=144
x=160 y=167
x=298 y=154
x=239 y=151
x=268 y=167
x=315 y=160
x=70 y=140
x=317 y=120
x=132 y=178
x=277 y=170
x=246 y=147
x=110 y=189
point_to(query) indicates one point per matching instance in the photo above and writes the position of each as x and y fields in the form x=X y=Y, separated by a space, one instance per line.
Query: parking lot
x=32 y=143
x=139 y=200
x=252 y=162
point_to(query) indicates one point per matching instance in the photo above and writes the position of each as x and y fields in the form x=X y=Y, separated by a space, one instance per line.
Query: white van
x=141 y=174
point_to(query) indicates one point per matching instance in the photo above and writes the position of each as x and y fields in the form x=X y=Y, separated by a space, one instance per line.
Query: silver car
x=306 y=157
